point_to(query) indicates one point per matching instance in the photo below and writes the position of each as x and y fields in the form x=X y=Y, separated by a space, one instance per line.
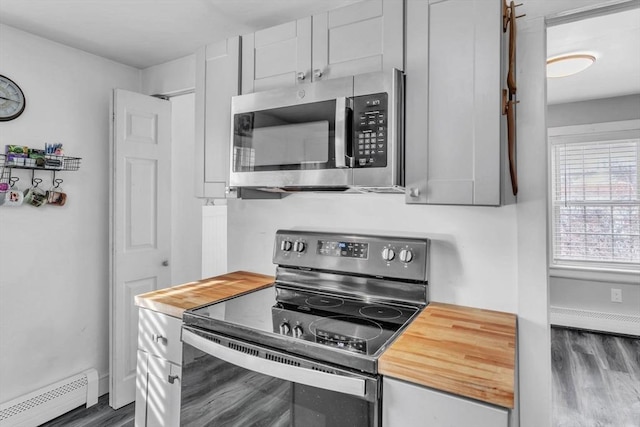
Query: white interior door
x=140 y=225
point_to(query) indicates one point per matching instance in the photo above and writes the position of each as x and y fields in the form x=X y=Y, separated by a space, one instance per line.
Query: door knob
x=172 y=378
x=301 y=76
x=317 y=73
x=165 y=263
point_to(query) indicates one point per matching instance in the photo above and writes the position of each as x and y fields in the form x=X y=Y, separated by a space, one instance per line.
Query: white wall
x=534 y=346
x=473 y=248
x=595 y=295
x=594 y=111
x=54 y=290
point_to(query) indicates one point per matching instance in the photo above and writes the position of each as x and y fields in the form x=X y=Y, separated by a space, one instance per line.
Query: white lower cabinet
x=157 y=392
x=410 y=405
x=158 y=375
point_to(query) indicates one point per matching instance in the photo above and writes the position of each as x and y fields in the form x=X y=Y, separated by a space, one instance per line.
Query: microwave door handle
x=342 y=115
x=340 y=384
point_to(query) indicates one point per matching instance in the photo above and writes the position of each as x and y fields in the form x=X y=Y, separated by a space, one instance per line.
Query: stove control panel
x=375 y=255
x=343 y=249
x=282 y=325
x=334 y=339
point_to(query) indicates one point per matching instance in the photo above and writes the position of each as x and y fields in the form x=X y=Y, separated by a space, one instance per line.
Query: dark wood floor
x=596 y=379
x=596 y=383
x=98 y=415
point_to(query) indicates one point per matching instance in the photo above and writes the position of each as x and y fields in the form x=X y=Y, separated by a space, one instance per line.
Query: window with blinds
x=595 y=202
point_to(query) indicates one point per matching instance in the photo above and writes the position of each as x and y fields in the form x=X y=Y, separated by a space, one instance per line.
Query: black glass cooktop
x=336 y=320
x=321 y=325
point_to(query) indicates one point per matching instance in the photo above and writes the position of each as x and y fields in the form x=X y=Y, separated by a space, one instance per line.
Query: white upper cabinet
x=276 y=57
x=454 y=123
x=360 y=38
x=217 y=80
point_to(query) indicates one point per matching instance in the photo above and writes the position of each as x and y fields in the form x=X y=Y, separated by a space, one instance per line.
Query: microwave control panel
x=370 y=117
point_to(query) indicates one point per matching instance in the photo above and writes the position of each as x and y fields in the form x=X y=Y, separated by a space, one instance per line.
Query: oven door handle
x=338 y=383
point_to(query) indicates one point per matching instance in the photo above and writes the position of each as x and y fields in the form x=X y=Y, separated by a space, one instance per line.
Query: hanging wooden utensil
x=509 y=110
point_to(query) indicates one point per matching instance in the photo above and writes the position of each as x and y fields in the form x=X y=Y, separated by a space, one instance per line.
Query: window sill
x=595 y=274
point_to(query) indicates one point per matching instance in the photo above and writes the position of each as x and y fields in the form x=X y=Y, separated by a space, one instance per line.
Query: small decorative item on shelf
x=16 y=155
x=35 y=157
x=55 y=149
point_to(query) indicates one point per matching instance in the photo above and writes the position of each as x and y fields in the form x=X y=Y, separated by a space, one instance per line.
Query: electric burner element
x=321 y=301
x=380 y=312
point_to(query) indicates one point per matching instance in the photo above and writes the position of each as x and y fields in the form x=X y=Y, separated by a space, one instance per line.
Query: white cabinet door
x=157 y=392
x=279 y=56
x=361 y=38
x=163 y=393
x=217 y=80
x=453 y=102
x=409 y=405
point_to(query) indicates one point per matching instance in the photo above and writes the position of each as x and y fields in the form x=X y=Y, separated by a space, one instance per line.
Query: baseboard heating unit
x=51 y=401
x=596 y=321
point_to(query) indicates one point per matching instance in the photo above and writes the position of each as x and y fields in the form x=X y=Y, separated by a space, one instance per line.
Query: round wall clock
x=12 y=100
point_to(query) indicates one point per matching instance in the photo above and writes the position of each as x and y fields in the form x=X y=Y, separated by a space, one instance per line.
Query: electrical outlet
x=616 y=295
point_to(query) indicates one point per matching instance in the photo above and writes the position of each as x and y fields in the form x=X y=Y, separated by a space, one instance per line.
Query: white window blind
x=596 y=208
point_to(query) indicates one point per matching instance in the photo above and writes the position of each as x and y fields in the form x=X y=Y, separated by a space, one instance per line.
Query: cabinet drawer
x=159 y=335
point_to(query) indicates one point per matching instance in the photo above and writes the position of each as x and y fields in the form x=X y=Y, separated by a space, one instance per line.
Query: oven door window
x=290 y=138
x=218 y=393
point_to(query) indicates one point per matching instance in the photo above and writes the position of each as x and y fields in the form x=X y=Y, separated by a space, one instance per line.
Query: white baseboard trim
x=103 y=384
x=626 y=324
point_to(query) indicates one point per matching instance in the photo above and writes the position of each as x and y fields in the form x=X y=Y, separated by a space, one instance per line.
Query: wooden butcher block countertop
x=461 y=350
x=175 y=300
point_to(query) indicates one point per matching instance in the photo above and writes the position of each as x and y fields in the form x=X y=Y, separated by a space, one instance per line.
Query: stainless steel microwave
x=338 y=134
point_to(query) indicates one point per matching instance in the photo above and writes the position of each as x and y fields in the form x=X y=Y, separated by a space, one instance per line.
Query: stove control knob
x=388 y=254
x=285 y=328
x=299 y=246
x=285 y=245
x=297 y=331
x=406 y=255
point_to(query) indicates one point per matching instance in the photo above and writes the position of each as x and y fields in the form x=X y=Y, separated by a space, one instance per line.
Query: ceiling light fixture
x=568 y=65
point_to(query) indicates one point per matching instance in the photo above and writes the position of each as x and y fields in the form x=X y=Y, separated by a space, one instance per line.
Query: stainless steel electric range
x=304 y=352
